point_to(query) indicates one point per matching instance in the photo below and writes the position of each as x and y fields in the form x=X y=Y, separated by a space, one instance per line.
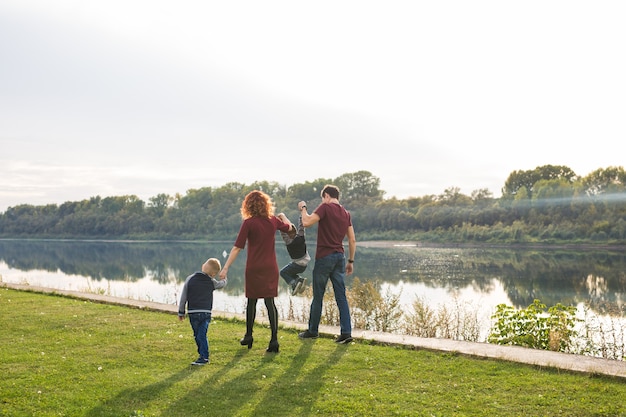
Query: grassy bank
x=66 y=357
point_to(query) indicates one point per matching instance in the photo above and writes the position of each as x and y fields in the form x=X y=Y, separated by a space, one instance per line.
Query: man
x=334 y=223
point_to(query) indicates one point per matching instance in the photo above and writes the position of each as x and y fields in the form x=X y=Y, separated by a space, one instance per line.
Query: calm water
x=475 y=278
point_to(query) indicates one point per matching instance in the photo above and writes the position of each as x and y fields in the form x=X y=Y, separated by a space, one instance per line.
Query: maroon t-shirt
x=261 y=276
x=331 y=229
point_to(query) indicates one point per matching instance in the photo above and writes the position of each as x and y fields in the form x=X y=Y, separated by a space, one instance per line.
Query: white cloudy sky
x=142 y=97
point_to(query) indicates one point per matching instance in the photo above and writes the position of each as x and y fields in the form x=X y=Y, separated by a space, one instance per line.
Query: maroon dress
x=261 y=276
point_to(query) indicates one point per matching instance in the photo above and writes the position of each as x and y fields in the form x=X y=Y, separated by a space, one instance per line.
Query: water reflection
x=596 y=278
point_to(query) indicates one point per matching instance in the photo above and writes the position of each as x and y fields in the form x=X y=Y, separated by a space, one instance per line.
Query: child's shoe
x=200 y=361
x=300 y=286
x=294 y=286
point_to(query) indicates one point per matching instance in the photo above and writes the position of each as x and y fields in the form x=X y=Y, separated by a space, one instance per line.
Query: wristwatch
x=350 y=261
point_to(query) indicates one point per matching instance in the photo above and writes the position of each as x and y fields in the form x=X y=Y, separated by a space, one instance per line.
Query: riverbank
x=535 y=357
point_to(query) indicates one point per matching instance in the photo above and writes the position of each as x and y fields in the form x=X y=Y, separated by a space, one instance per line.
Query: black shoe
x=200 y=361
x=294 y=286
x=273 y=347
x=307 y=335
x=247 y=340
x=343 y=338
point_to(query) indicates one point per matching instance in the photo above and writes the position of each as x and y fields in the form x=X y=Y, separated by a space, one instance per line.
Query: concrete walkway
x=542 y=358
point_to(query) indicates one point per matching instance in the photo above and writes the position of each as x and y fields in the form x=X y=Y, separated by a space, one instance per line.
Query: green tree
x=527 y=179
x=159 y=203
x=453 y=196
x=605 y=180
x=360 y=185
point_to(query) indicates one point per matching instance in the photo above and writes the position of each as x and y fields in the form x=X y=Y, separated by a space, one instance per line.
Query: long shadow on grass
x=228 y=390
x=131 y=401
x=283 y=384
x=301 y=384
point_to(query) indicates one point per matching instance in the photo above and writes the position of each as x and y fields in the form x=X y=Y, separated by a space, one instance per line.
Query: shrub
x=533 y=327
x=373 y=311
x=457 y=323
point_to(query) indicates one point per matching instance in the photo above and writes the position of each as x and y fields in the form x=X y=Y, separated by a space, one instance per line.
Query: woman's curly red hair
x=257 y=204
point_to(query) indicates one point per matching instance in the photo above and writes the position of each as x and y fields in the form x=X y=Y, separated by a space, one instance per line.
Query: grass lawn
x=66 y=357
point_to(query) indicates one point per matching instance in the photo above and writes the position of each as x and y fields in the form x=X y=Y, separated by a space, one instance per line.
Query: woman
x=261 y=277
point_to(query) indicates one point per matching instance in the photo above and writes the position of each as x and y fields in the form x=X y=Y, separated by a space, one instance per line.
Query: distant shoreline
x=364 y=243
x=403 y=243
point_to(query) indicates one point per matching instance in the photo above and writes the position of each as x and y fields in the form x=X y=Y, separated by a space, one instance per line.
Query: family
x=258 y=232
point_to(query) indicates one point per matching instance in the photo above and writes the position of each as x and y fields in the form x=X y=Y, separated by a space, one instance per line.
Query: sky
x=134 y=97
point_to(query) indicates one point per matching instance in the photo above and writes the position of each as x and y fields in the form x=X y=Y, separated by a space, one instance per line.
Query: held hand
x=301 y=204
x=223 y=274
x=283 y=218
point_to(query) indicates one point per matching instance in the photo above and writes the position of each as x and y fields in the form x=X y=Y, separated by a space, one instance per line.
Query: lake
x=472 y=277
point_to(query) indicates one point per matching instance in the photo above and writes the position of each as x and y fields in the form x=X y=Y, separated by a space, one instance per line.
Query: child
x=197 y=295
x=296 y=246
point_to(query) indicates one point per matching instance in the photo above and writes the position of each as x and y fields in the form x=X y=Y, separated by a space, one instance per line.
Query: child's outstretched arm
x=283 y=218
x=219 y=283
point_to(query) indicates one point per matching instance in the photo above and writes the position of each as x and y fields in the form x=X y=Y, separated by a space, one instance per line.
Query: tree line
x=548 y=204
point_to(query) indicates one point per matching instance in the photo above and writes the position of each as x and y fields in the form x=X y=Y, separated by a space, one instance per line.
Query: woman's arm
x=234 y=252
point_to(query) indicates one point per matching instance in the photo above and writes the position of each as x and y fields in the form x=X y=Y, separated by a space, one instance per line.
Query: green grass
x=67 y=357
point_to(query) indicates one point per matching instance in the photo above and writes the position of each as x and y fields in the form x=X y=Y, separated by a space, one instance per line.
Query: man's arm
x=308 y=220
x=351 y=249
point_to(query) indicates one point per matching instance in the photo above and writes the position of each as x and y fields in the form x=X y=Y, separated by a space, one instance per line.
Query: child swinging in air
x=296 y=246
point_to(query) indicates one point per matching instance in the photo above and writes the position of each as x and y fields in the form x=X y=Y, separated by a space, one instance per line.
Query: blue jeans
x=290 y=272
x=200 y=326
x=331 y=267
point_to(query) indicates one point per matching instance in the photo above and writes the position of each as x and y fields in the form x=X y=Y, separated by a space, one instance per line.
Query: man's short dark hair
x=331 y=190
